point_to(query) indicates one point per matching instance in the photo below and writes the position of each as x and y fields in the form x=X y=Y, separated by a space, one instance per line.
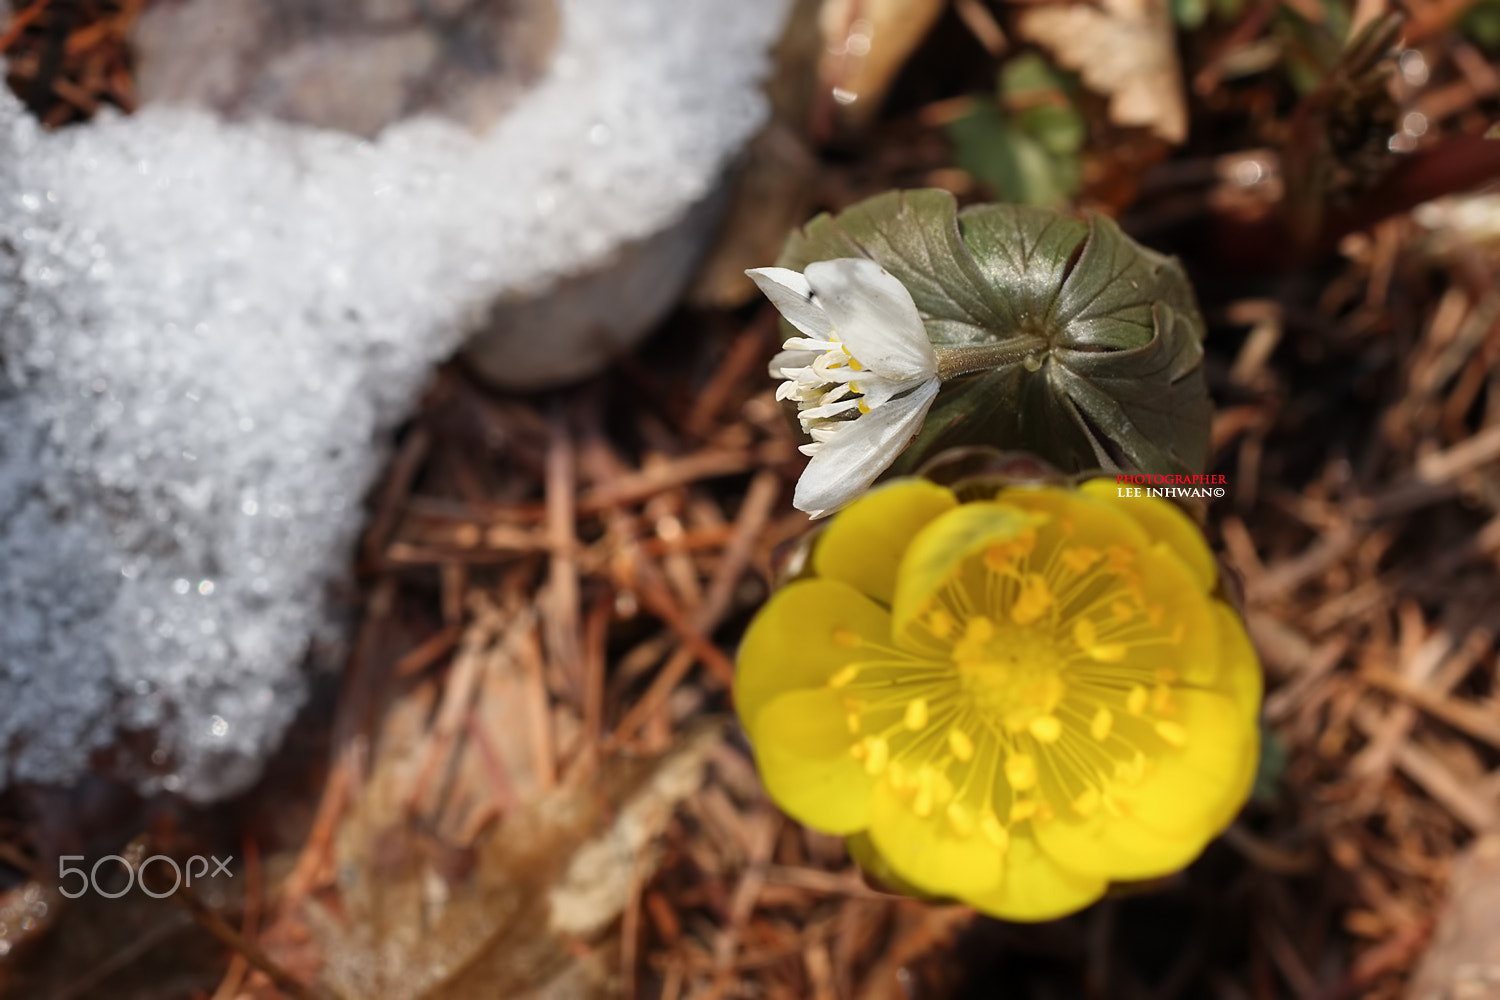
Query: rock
x=208 y=329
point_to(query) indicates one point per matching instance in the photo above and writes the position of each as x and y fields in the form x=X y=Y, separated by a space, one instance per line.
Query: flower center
x=1020 y=695
x=1010 y=674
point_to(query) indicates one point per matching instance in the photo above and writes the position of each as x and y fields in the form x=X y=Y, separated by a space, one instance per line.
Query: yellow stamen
x=1107 y=652
x=1172 y=734
x=1084 y=634
x=916 y=714
x=1161 y=699
x=1167 y=675
x=864 y=407
x=1135 y=702
x=854 y=362
x=940 y=623
x=978 y=630
x=847 y=638
x=1022 y=809
x=1131 y=771
x=854 y=388
x=1103 y=722
x=900 y=780
x=852 y=721
x=1046 y=728
x=922 y=804
x=1080 y=559
x=879 y=755
x=1034 y=600
x=1020 y=771
x=942 y=787
x=1087 y=802
x=989 y=825
x=1122 y=611
x=960 y=819
x=960 y=744
x=844 y=677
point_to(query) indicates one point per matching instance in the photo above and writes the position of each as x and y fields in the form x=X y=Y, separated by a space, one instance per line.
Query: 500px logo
x=89 y=879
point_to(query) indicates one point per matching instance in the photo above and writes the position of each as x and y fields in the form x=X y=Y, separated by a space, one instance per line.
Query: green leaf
x=1102 y=338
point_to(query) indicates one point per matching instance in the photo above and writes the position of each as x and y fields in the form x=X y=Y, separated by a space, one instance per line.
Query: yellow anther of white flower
x=1034 y=600
x=864 y=407
x=940 y=623
x=1022 y=809
x=844 y=677
x=1080 y=559
x=1020 y=771
x=854 y=386
x=960 y=744
x=1046 y=728
x=847 y=638
x=916 y=714
x=1101 y=724
x=994 y=832
x=877 y=755
x=1172 y=734
x=1136 y=701
x=1087 y=802
x=960 y=819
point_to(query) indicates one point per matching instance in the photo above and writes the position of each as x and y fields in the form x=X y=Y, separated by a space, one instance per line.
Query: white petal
x=791 y=359
x=790 y=293
x=851 y=459
x=874 y=315
x=877 y=390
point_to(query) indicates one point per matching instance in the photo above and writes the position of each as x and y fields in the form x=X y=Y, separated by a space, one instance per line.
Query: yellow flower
x=1011 y=701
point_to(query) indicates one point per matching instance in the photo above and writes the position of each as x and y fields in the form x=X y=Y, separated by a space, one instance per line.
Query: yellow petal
x=1239 y=668
x=862 y=849
x=801 y=638
x=1186 y=796
x=1194 y=791
x=939 y=549
x=1096 y=523
x=1187 y=615
x=863 y=545
x=803 y=754
x=927 y=851
x=1034 y=887
x=1243 y=678
x=1164 y=522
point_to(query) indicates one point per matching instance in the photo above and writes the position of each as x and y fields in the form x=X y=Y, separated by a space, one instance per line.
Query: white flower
x=863 y=377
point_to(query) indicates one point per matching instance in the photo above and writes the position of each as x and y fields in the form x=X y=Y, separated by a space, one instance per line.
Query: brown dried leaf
x=1123 y=49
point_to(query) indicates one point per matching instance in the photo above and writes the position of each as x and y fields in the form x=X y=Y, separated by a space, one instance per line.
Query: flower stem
x=956 y=361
